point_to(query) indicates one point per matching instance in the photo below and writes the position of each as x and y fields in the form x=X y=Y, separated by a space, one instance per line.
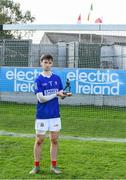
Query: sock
x=36 y=163
x=53 y=163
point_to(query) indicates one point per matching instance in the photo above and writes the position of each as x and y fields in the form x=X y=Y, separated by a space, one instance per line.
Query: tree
x=11 y=13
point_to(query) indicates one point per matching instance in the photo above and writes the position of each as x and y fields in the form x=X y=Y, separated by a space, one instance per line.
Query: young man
x=48 y=87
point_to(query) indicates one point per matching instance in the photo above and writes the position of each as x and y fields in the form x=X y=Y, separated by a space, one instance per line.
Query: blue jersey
x=48 y=86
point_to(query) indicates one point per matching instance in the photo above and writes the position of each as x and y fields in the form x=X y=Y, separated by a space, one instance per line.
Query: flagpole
x=89 y=13
x=79 y=22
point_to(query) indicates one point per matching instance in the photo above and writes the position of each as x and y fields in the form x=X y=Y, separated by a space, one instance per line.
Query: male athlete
x=48 y=87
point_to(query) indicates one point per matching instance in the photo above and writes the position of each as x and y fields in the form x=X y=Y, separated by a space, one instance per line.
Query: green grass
x=85 y=121
x=78 y=160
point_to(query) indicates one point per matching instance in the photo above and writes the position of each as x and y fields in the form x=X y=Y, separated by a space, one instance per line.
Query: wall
x=30 y=98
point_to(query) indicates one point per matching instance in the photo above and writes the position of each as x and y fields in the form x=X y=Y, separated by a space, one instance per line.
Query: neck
x=47 y=73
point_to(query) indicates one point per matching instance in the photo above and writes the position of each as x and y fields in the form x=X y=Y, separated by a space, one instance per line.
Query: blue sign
x=83 y=81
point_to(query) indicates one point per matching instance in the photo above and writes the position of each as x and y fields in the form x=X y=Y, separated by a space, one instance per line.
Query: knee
x=39 y=141
x=54 y=141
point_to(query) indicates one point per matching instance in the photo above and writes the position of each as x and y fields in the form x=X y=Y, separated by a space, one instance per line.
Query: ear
x=41 y=63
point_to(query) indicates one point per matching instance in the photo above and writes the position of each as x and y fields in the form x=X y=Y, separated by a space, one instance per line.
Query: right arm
x=38 y=89
x=43 y=99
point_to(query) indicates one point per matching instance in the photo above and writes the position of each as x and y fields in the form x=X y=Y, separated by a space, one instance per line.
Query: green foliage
x=11 y=13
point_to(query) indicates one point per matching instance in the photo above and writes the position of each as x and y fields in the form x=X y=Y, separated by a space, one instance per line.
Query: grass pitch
x=84 y=121
x=77 y=159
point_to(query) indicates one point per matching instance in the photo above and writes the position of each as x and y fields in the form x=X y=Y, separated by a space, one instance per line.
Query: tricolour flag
x=98 y=20
x=79 y=19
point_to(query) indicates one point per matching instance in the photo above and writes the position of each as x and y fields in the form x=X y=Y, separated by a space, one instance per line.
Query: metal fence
x=23 y=53
x=85 y=51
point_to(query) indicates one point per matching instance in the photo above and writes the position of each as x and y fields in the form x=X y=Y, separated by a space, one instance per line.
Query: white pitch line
x=120 y=140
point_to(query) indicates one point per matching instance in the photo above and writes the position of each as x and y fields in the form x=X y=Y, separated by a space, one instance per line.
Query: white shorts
x=43 y=125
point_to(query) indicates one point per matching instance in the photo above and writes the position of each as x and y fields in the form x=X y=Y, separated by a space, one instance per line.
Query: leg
x=54 y=145
x=37 y=147
x=37 y=152
x=53 y=151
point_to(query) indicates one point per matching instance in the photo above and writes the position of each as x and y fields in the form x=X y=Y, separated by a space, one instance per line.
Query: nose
x=47 y=65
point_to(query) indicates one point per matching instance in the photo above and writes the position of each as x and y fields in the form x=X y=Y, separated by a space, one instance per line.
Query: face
x=46 y=64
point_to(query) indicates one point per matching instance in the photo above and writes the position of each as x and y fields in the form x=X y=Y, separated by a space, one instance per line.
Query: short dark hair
x=47 y=56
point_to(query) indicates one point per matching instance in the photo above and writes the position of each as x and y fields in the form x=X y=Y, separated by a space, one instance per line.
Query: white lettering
x=82 y=76
x=99 y=90
x=86 y=82
x=71 y=76
x=9 y=75
x=92 y=77
x=112 y=78
x=20 y=75
x=96 y=82
x=29 y=75
x=23 y=87
x=23 y=80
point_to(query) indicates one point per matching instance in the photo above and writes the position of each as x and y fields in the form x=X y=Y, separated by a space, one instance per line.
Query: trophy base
x=68 y=93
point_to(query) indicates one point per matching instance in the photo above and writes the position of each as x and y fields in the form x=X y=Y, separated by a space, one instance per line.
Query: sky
x=67 y=11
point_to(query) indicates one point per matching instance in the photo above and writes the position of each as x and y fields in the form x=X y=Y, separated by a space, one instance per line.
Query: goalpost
x=65 y=27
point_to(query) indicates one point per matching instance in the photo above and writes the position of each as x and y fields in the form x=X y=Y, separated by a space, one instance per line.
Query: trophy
x=67 y=89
